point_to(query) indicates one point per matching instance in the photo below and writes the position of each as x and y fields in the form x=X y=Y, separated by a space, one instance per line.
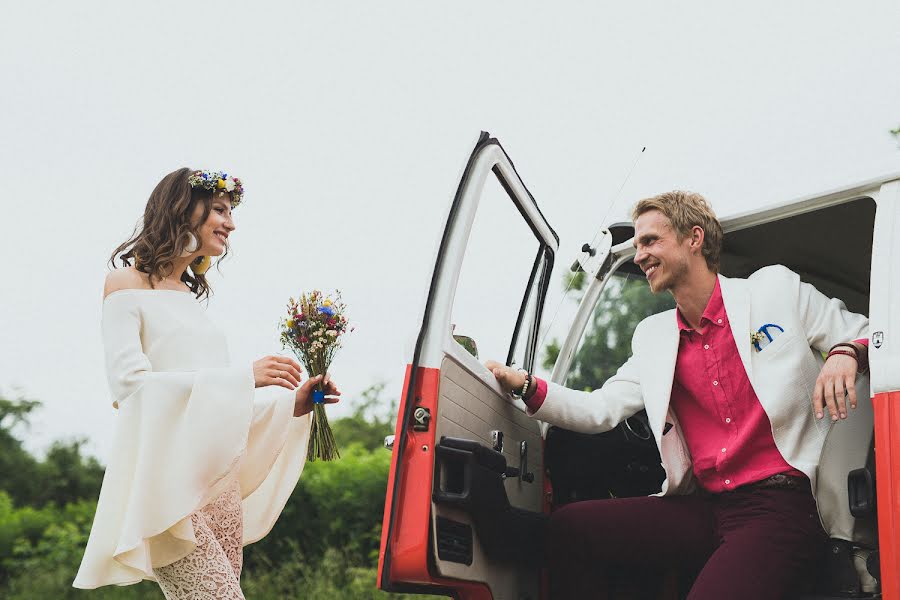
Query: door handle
x=524 y=475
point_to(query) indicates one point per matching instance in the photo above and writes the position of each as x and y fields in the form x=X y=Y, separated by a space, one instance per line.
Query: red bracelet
x=849 y=353
x=861 y=355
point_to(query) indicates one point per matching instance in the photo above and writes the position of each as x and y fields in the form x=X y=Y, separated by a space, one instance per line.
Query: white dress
x=188 y=426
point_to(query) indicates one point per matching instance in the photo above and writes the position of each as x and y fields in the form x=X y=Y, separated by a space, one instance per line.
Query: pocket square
x=765 y=335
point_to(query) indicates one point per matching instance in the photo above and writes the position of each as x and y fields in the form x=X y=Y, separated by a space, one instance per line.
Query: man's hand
x=509 y=379
x=836 y=381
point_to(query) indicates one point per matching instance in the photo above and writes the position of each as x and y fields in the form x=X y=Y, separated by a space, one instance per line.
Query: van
x=473 y=478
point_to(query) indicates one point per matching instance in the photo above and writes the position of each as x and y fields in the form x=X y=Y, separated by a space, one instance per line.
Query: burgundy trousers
x=749 y=543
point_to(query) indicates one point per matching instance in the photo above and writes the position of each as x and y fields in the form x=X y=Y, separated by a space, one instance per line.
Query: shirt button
x=727 y=482
x=715 y=382
x=706 y=346
x=719 y=321
x=723 y=449
x=728 y=419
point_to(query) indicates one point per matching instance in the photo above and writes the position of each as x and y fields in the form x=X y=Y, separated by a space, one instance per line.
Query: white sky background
x=349 y=127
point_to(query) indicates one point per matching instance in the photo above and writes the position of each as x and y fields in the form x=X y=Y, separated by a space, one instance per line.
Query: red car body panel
x=410 y=544
x=887 y=476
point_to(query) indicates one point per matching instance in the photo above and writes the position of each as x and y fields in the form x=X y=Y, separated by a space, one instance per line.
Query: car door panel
x=469 y=409
x=450 y=395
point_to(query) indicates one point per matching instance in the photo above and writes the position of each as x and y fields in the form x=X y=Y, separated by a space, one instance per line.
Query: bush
x=324 y=545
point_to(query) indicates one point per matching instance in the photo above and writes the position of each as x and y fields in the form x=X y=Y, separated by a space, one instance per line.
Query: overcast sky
x=349 y=126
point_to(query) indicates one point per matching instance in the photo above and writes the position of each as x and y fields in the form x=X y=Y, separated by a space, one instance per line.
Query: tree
x=370 y=421
x=325 y=544
x=18 y=469
x=338 y=505
x=64 y=475
x=606 y=344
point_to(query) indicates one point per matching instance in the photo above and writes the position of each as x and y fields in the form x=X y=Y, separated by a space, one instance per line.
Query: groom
x=739 y=406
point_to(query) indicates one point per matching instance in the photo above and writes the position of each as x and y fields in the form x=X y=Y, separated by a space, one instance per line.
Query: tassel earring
x=201 y=265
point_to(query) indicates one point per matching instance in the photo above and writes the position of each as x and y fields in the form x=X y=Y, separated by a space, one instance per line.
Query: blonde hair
x=686 y=210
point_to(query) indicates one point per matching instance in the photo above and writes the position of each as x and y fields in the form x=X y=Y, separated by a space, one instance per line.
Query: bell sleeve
x=181 y=437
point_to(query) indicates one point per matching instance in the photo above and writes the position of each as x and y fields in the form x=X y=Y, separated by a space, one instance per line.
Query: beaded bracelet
x=521 y=393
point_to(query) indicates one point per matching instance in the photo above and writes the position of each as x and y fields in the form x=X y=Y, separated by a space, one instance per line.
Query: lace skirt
x=213 y=570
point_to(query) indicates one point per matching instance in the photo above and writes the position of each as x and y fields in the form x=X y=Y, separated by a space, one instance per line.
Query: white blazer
x=783 y=373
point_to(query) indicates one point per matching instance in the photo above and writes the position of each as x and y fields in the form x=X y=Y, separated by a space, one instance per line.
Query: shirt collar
x=714 y=312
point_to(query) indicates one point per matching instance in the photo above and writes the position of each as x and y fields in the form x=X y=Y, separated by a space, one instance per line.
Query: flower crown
x=217 y=180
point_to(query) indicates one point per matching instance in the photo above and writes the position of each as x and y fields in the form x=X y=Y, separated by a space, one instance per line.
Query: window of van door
x=503 y=265
x=524 y=349
x=606 y=342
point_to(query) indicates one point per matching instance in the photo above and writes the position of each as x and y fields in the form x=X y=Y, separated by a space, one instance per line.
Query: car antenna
x=590 y=248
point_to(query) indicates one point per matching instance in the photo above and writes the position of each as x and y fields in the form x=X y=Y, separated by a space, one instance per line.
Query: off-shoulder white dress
x=189 y=429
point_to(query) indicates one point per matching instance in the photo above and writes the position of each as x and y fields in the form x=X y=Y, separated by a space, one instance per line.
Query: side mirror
x=467 y=343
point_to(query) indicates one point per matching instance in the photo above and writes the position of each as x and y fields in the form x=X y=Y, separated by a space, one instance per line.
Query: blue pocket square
x=765 y=335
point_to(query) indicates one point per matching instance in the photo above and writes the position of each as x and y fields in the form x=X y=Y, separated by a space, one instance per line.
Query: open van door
x=465 y=499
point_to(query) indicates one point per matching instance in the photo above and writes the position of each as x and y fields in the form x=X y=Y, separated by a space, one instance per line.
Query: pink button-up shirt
x=725 y=427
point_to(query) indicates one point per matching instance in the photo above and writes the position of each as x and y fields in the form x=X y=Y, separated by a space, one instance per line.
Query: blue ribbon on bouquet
x=318 y=397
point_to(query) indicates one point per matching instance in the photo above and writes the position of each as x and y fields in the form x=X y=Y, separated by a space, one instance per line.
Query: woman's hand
x=277 y=370
x=303 y=401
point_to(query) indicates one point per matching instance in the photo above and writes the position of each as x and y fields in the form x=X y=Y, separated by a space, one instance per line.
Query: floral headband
x=216 y=180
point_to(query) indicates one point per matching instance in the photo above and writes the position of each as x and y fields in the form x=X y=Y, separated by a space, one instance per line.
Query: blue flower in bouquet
x=326 y=310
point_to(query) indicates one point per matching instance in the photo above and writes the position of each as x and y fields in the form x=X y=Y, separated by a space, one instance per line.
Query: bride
x=200 y=466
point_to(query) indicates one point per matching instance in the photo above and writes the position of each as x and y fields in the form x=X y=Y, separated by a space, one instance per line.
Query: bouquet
x=312 y=330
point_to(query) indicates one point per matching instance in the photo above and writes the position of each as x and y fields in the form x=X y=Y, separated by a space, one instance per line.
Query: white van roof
x=825 y=237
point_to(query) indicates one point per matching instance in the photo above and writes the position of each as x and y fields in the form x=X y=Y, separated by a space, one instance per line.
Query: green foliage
x=18 y=469
x=334 y=576
x=64 y=474
x=32 y=539
x=370 y=421
x=337 y=504
x=324 y=545
x=606 y=344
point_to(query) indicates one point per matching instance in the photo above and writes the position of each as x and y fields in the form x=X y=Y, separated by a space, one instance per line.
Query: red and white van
x=473 y=478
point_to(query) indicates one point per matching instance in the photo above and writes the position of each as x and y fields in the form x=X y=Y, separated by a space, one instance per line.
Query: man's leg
x=585 y=539
x=770 y=541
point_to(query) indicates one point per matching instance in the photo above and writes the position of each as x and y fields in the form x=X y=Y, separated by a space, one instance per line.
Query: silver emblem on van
x=878 y=339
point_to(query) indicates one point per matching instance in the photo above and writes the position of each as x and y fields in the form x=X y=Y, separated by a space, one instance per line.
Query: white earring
x=191 y=246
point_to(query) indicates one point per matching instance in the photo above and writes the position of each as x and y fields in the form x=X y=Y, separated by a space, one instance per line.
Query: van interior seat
x=846 y=448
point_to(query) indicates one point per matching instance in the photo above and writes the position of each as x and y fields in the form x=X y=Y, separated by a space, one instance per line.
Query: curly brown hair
x=162 y=234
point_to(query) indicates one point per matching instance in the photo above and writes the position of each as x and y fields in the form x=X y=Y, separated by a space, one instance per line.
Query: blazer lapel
x=662 y=372
x=736 y=297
